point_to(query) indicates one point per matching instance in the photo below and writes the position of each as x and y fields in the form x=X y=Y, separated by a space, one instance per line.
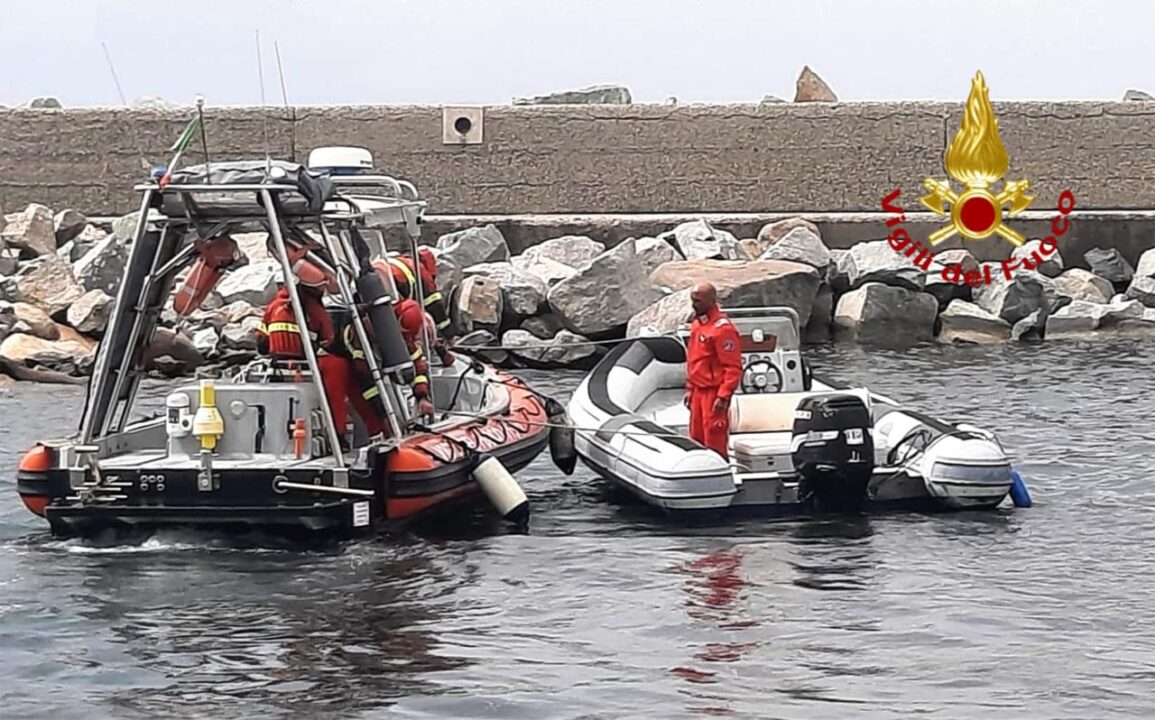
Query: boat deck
x=159 y=460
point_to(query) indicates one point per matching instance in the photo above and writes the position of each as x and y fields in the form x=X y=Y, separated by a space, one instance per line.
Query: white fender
x=502 y=490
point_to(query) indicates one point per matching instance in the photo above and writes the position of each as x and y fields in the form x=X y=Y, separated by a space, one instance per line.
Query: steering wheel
x=761 y=376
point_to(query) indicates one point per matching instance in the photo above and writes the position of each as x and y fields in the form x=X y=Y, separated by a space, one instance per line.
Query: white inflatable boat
x=797 y=445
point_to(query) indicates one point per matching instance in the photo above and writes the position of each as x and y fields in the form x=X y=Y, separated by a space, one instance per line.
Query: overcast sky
x=487 y=51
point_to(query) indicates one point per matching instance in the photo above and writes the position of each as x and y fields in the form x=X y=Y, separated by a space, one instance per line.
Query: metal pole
x=302 y=327
x=419 y=290
x=341 y=259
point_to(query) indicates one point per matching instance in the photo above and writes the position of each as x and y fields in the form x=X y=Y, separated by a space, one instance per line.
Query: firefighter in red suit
x=279 y=336
x=713 y=370
x=405 y=280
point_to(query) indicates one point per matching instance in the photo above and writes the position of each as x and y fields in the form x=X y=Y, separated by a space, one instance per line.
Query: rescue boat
x=798 y=445
x=257 y=449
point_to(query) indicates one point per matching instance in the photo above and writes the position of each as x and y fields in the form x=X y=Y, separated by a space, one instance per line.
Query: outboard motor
x=833 y=452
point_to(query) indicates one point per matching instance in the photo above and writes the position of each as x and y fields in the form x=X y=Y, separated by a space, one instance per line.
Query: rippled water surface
x=604 y=611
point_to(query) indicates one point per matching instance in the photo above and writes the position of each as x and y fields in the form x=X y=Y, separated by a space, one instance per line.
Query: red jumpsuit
x=279 y=336
x=405 y=278
x=713 y=370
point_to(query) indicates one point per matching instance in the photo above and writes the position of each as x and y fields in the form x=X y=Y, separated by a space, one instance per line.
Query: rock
x=522 y=294
x=698 y=240
x=8 y=319
x=605 y=293
x=749 y=249
x=663 y=317
x=593 y=95
x=254 y=284
x=1014 y=300
x=748 y=283
x=124 y=228
x=44 y=103
x=1109 y=265
x=154 y=102
x=653 y=253
x=572 y=250
x=479 y=304
x=31 y=230
x=1142 y=287
x=1127 y=318
x=90 y=313
x=1031 y=256
x=67 y=225
x=9 y=289
x=811 y=88
x=775 y=231
x=83 y=243
x=877 y=262
x=449 y=277
x=820 y=329
x=945 y=291
x=33 y=352
x=771 y=100
x=964 y=322
x=1080 y=284
x=173 y=344
x=563 y=350
x=883 y=314
x=169 y=367
x=9 y=262
x=800 y=245
x=49 y=284
x=474 y=246
x=550 y=271
x=543 y=326
x=838 y=273
x=482 y=339
x=959 y=256
x=205 y=341
x=37 y=322
x=102 y=268
x=1030 y=328
x=1133 y=95
x=242 y=336
x=254 y=246
x=1077 y=319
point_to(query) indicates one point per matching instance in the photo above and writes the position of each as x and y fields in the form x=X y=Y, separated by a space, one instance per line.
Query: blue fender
x=1019 y=495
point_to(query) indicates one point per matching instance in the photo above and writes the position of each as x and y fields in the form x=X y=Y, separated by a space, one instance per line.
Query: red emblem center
x=978 y=214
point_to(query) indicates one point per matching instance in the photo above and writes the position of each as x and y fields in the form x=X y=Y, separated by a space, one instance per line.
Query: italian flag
x=179 y=147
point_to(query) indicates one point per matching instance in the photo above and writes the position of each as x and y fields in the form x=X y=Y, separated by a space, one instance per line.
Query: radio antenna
x=264 y=105
x=281 y=73
x=200 y=100
x=115 y=79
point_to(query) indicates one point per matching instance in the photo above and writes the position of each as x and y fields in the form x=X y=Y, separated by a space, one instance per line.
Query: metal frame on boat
x=254 y=451
x=798 y=445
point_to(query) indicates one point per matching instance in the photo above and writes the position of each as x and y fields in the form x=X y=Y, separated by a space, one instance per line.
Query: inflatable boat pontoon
x=797 y=445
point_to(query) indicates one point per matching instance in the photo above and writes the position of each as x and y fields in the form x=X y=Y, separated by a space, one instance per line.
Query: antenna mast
x=264 y=105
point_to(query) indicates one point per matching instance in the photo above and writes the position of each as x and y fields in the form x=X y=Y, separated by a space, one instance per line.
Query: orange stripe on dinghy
x=404 y=507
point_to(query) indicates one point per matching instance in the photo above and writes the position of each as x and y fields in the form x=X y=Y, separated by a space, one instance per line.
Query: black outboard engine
x=833 y=452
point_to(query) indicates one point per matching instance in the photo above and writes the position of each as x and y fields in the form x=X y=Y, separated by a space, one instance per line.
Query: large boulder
x=571 y=250
x=747 y=283
x=1080 y=284
x=205 y=341
x=811 y=88
x=662 y=317
x=89 y=314
x=549 y=271
x=254 y=284
x=478 y=341
x=474 y=246
x=1076 y=320
x=964 y=322
x=35 y=321
x=593 y=95
x=522 y=294
x=102 y=267
x=1127 y=318
x=877 y=262
x=543 y=326
x=565 y=349
x=479 y=304
x=241 y=336
x=28 y=351
x=800 y=245
x=1031 y=256
x=1142 y=287
x=169 y=343
x=838 y=274
x=698 y=240
x=67 y=225
x=1110 y=265
x=654 y=252
x=775 y=231
x=883 y=314
x=1014 y=299
x=449 y=277
x=8 y=319
x=604 y=294
x=31 y=230
x=49 y=284
x=1030 y=329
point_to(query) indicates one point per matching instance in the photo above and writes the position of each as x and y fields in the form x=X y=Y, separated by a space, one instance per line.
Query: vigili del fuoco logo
x=976 y=159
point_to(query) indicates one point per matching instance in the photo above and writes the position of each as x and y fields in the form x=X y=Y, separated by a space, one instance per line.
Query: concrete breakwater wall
x=604 y=159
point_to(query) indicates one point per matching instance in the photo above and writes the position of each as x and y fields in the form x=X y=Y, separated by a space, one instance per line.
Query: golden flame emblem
x=977 y=159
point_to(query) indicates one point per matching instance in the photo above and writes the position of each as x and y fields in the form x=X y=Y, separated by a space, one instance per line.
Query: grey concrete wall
x=606 y=159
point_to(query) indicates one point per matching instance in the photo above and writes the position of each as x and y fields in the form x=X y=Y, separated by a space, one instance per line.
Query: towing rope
x=546 y=345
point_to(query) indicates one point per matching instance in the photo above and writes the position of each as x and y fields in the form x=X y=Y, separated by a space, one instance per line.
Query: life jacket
x=413 y=322
x=404 y=275
x=215 y=256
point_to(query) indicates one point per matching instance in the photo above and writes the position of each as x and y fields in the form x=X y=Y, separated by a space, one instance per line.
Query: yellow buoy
x=208 y=425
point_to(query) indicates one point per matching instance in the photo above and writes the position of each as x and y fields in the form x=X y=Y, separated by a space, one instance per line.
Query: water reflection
x=347 y=630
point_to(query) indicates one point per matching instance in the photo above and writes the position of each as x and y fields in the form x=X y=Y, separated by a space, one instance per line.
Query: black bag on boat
x=298 y=190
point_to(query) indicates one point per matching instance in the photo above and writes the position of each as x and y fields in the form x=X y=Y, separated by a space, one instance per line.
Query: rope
x=564 y=427
x=546 y=345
